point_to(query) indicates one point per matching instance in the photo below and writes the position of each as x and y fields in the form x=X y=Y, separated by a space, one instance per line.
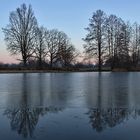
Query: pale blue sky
x=70 y=16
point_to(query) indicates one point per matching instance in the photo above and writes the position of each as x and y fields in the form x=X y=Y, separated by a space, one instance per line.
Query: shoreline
x=42 y=71
x=60 y=71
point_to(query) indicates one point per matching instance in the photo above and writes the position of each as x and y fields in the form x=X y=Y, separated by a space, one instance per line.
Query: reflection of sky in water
x=70 y=105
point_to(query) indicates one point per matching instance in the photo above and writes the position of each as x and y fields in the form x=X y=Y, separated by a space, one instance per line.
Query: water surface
x=70 y=106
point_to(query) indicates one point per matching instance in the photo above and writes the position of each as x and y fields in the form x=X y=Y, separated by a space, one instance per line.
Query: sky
x=70 y=16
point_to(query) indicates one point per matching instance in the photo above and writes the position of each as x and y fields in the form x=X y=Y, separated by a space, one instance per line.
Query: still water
x=70 y=106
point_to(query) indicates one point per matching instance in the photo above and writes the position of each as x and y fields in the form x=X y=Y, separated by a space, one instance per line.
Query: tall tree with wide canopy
x=20 y=32
x=96 y=36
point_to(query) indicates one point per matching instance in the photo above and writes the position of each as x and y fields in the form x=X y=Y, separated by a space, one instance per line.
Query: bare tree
x=135 y=43
x=96 y=36
x=59 y=48
x=67 y=52
x=122 y=48
x=118 y=41
x=67 y=55
x=40 y=48
x=51 y=42
x=111 y=29
x=20 y=32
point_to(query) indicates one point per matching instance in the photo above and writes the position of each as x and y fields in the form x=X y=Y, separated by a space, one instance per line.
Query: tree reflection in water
x=24 y=120
x=101 y=119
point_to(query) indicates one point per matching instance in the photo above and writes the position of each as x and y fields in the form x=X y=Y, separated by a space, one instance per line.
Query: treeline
x=113 y=41
x=37 y=44
x=110 y=41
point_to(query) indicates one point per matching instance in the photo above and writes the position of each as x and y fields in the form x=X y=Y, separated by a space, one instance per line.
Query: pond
x=70 y=106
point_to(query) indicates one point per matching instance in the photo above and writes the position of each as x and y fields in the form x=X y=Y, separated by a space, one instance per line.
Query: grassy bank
x=54 y=70
x=61 y=70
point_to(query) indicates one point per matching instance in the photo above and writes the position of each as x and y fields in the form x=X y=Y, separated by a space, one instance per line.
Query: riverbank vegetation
x=110 y=44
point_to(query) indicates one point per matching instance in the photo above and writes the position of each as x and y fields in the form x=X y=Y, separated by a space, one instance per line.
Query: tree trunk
x=25 y=61
x=51 y=61
x=99 y=57
x=40 y=63
x=40 y=60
